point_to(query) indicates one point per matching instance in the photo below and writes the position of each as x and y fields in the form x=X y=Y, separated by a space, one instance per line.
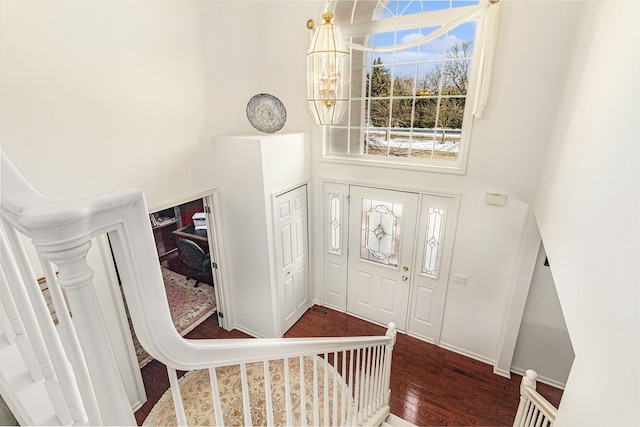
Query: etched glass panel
x=433 y=241
x=335 y=223
x=381 y=227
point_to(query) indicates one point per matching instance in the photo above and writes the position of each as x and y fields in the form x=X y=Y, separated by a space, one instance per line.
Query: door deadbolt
x=405 y=268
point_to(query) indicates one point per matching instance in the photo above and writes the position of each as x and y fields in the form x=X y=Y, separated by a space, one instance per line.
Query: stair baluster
x=77 y=359
x=17 y=328
x=534 y=410
x=58 y=378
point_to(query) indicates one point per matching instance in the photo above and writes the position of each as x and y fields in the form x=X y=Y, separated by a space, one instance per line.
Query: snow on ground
x=416 y=144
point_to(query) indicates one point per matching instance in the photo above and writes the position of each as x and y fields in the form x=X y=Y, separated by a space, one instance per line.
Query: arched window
x=411 y=100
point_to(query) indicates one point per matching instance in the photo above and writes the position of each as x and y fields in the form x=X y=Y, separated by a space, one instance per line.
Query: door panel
x=285 y=249
x=293 y=262
x=433 y=254
x=424 y=305
x=382 y=226
x=335 y=244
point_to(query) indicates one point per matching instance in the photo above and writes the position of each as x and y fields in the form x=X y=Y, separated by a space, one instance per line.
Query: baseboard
x=502 y=372
x=421 y=338
x=542 y=379
x=247 y=331
x=332 y=307
x=371 y=321
x=467 y=353
x=396 y=421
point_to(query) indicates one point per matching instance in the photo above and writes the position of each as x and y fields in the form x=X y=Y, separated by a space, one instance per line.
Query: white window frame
x=416 y=21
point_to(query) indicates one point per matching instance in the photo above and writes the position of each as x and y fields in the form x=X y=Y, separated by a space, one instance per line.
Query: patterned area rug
x=189 y=307
x=195 y=387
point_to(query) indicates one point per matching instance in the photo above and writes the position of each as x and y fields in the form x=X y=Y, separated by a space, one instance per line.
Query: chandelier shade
x=328 y=69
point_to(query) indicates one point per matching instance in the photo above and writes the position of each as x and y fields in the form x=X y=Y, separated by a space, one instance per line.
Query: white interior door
x=382 y=225
x=434 y=245
x=292 y=255
x=211 y=203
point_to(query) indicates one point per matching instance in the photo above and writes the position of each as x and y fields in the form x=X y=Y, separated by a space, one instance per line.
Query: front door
x=292 y=255
x=382 y=226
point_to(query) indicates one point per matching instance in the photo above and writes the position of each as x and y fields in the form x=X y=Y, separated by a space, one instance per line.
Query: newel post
x=528 y=380
x=391 y=333
x=75 y=277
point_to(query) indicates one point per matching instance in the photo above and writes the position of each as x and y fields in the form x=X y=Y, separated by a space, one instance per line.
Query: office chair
x=196 y=258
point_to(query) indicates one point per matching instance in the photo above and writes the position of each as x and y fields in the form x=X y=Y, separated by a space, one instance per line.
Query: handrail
x=60 y=227
x=62 y=233
x=545 y=407
x=534 y=409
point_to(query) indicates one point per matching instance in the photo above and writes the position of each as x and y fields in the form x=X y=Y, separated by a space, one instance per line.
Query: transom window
x=408 y=106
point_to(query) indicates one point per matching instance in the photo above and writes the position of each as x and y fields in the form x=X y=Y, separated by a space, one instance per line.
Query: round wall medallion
x=266 y=113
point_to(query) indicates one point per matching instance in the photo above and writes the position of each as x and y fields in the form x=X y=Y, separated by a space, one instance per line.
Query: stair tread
x=396 y=421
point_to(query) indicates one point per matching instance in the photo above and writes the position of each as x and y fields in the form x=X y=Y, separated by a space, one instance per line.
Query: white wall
x=543 y=342
x=506 y=155
x=98 y=96
x=587 y=209
x=103 y=95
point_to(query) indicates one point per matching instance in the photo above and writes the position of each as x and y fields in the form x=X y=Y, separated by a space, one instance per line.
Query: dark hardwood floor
x=430 y=386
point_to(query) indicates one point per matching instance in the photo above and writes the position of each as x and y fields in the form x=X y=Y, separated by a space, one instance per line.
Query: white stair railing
x=75 y=356
x=534 y=410
x=347 y=386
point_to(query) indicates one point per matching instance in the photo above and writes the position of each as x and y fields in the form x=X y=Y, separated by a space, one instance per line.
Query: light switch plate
x=460 y=279
x=495 y=199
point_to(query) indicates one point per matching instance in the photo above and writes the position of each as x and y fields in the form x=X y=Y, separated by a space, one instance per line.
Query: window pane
x=339 y=140
x=433 y=241
x=401 y=113
x=399 y=142
x=425 y=114
x=423 y=128
x=335 y=223
x=377 y=143
x=378 y=113
x=357 y=112
x=382 y=39
x=451 y=113
x=404 y=77
x=412 y=101
x=378 y=80
x=380 y=238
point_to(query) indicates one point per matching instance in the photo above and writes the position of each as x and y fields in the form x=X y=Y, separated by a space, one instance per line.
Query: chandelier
x=327 y=71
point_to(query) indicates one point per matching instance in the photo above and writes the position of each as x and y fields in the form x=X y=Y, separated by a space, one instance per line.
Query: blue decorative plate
x=266 y=113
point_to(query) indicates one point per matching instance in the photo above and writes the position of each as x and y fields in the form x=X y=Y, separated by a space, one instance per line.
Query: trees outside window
x=411 y=104
x=418 y=111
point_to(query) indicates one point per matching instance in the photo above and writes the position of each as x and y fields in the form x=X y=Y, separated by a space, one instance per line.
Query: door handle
x=404 y=278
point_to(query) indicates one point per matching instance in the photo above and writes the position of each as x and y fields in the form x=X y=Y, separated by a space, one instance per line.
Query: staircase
x=65 y=372
x=534 y=410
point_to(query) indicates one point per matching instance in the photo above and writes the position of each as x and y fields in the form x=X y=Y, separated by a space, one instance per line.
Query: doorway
x=175 y=225
x=292 y=254
x=382 y=224
x=399 y=249
x=192 y=223
x=192 y=291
